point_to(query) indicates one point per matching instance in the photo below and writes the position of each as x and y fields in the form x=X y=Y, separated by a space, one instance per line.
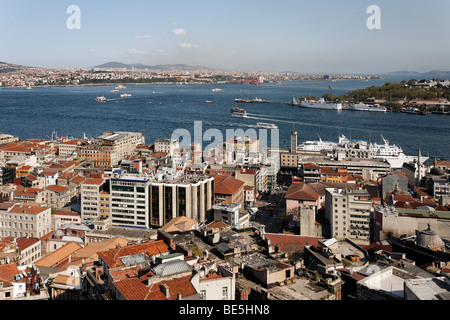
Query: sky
x=323 y=36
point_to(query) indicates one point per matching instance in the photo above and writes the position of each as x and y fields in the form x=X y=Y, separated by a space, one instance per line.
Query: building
x=25 y=220
x=437 y=288
x=91 y=195
x=29 y=250
x=144 y=201
x=166 y=145
x=110 y=148
x=59 y=196
x=392 y=182
x=230 y=214
x=310 y=173
x=228 y=189
x=348 y=213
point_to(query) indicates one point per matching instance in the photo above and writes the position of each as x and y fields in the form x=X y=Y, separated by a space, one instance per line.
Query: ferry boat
x=265 y=125
x=124 y=95
x=412 y=110
x=367 y=107
x=100 y=99
x=120 y=87
x=238 y=112
x=320 y=104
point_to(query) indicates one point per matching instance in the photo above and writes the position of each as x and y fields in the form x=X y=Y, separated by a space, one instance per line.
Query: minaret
x=419 y=168
x=294 y=141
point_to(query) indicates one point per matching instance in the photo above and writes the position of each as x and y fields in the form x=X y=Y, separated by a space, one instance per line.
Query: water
x=157 y=110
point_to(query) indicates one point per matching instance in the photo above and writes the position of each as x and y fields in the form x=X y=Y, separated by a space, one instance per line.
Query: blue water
x=157 y=110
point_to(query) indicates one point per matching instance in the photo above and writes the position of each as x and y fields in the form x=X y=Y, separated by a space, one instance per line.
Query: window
x=225 y=292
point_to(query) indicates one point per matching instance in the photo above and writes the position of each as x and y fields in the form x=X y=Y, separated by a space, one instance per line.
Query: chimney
x=165 y=289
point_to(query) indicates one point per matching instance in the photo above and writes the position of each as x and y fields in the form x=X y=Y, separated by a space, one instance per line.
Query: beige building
x=29 y=250
x=59 y=196
x=24 y=220
x=348 y=212
x=91 y=200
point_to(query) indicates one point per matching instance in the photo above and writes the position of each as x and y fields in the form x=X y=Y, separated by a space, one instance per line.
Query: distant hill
x=424 y=75
x=120 y=65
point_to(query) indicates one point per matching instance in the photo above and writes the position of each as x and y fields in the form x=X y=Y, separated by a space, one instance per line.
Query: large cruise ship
x=320 y=104
x=392 y=154
x=317 y=145
x=367 y=107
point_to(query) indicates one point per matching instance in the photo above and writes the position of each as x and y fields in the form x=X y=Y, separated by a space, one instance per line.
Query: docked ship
x=392 y=154
x=100 y=99
x=317 y=145
x=413 y=110
x=238 y=112
x=264 y=125
x=320 y=104
x=367 y=107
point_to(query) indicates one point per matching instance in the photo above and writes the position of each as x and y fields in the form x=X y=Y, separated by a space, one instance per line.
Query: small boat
x=29 y=87
x=238 y=112
x=216 y=90
x=114 y=90
x=124 y=95
x=412 y=110
x=100 y=99
x=265 y=125
x=208 y=101
x=120 y=87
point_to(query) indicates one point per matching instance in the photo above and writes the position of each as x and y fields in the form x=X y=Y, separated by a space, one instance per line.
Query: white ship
x=265 y=125
x=317 y=145
x=320 y=104
x=124 y=95
x=120 y=87
x=100 y=99
x=216 y=90
x=114 y=90
x=367 y=107
x=392 y=154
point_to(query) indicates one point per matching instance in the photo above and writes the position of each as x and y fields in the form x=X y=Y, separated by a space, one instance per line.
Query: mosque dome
x=437 y=172
x=429 y=239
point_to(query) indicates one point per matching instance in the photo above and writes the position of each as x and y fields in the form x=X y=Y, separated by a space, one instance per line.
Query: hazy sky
x=249 y=35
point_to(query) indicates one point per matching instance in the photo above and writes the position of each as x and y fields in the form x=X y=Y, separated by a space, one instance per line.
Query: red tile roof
x=7 y=273
x=112 y=256
x=136 y=289
x=301 y=191
x=291 y=243
x=24 y=243
x=93 y=181
x=56 y=188
x=29 y=207
x=225 y=184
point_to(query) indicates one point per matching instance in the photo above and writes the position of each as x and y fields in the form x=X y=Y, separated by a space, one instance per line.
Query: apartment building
x=24 y=219
x=108 y=149
x=91 y=200
x=166 y=145
x=348 y=212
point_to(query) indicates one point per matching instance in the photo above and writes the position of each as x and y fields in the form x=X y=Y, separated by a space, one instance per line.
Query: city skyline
x=267 y=36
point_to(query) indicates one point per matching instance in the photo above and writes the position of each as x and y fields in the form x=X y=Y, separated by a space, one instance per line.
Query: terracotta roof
x=122 y=274
x=29 y=207
x=7 y=204
x=225 y=184
x=301 y=191
x=24 y=243
x=55 y=258
x=159 y=154
x=179 y=224
x=112 y=256
x=310 y=166
x=56 y=188
x=7 y=273
x=218 y=225
x=77 y=180
x=136 y=289
x=291 y=243
x=93 y=181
